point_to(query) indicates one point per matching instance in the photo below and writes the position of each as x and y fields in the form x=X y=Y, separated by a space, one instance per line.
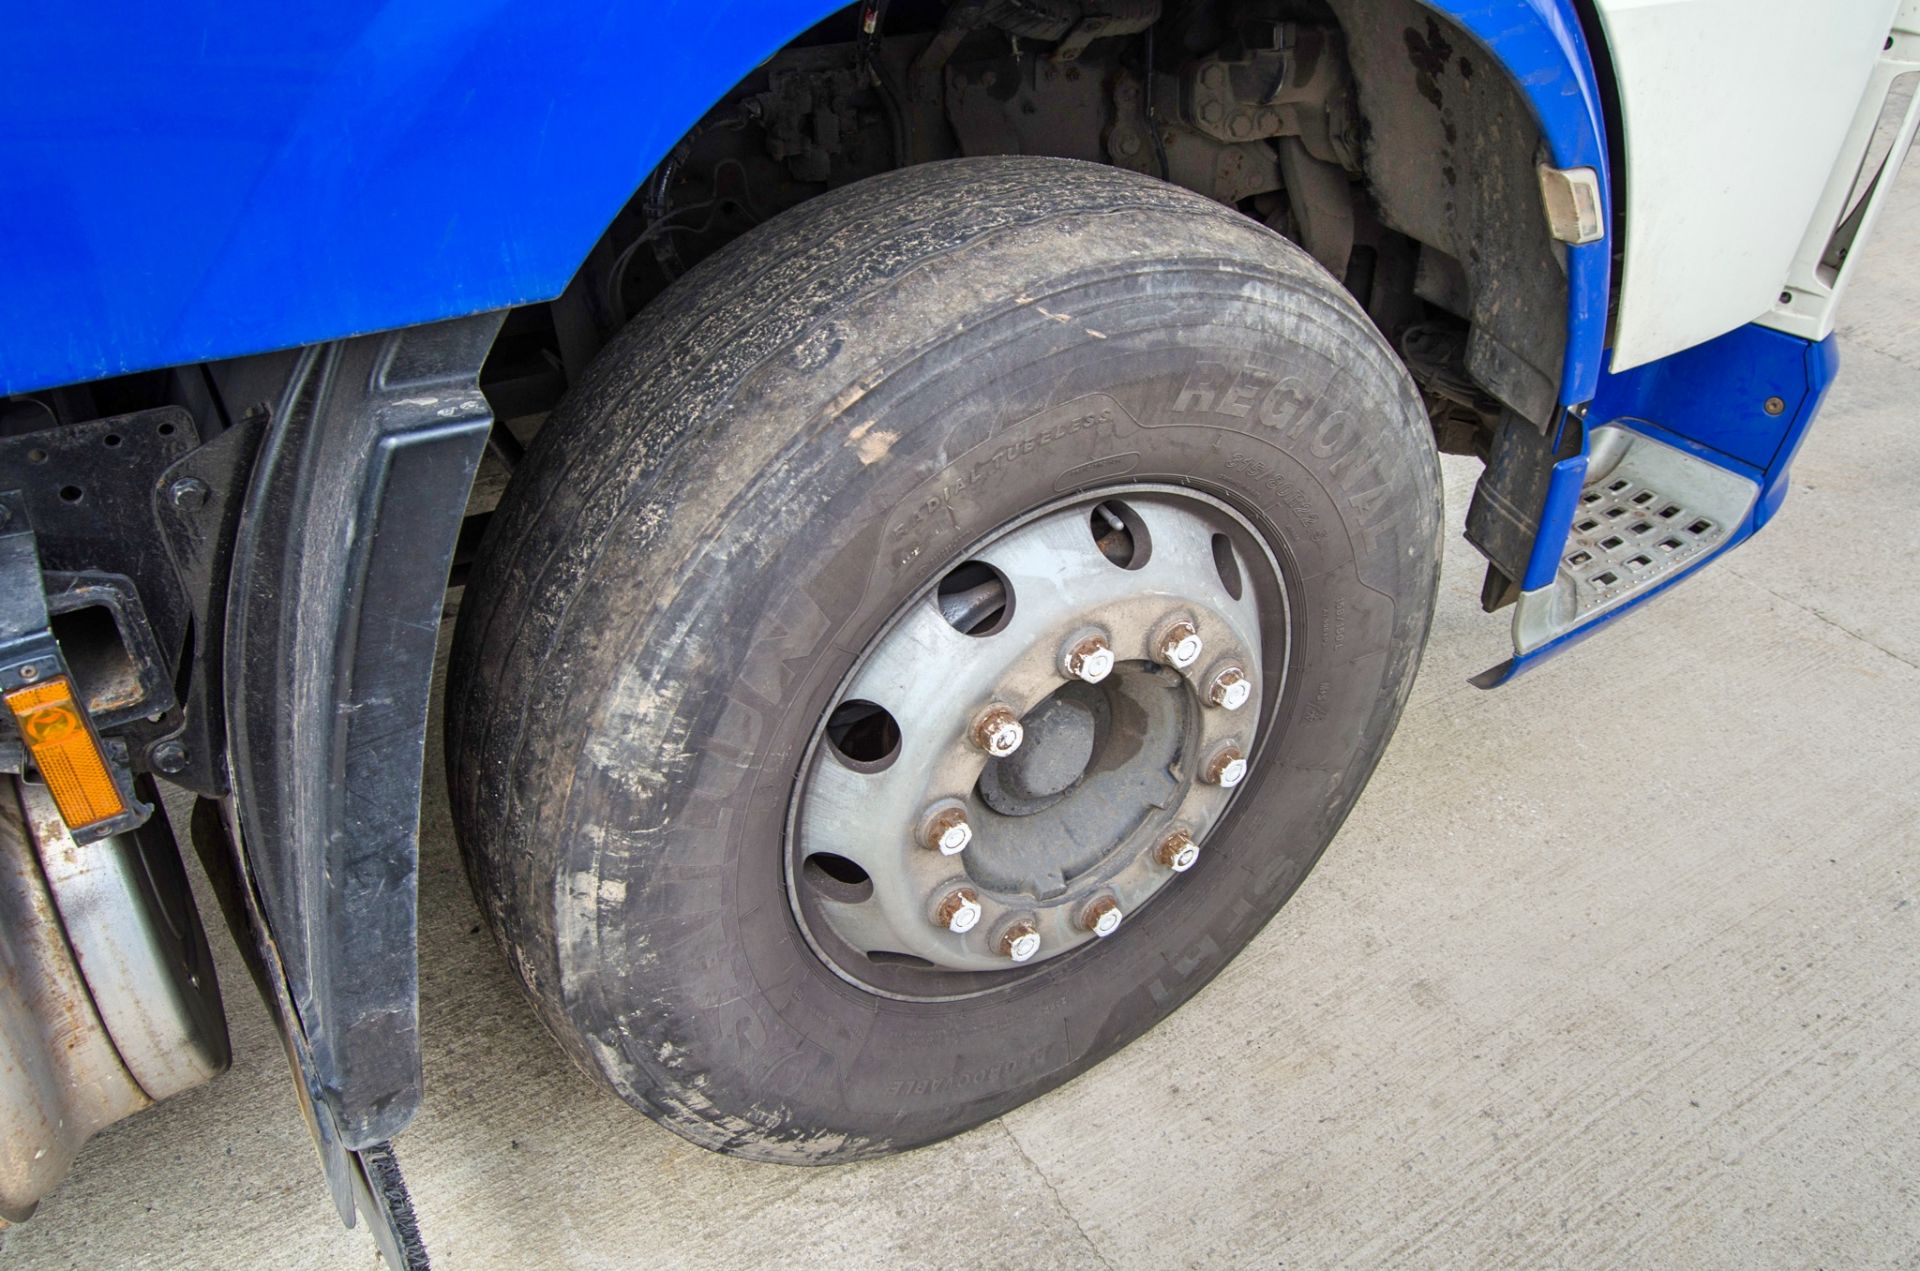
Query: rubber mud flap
x=801 y=435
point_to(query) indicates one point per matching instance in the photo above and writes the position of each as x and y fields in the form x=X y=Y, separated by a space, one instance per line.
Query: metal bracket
x=30 y=655
x=27 y=649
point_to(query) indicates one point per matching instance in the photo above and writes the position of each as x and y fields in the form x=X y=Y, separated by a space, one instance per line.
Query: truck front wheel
x=935 y=637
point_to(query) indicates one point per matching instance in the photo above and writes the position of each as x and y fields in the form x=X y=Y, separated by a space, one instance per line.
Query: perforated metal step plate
x=1649 y=511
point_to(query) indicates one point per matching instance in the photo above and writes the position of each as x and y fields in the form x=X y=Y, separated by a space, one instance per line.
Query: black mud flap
x=338 y=578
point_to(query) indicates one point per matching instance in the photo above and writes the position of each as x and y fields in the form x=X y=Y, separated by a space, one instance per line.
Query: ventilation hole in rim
x=864 y=735
x=975 y=599
x=111 y=439
x=837 y=878
x=1226 y=566
x=889 y=957
x=165 y=430
x=1120 y=534
x=72 y=493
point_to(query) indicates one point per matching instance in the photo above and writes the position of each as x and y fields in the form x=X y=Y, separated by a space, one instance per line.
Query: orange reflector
x=64 y=750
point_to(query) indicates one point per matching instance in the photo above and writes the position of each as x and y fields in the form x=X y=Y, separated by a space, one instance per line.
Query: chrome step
x=1649 y=511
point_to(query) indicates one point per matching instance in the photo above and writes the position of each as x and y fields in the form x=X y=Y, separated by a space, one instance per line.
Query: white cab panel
x=1736 y=115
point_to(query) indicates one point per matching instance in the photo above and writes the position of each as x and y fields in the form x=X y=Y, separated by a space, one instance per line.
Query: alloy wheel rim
x=1039 y=744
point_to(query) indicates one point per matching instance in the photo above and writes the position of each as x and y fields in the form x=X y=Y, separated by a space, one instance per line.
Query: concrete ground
x=1617 y=965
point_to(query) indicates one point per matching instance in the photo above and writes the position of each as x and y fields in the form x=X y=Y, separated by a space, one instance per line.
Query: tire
x=794 y=442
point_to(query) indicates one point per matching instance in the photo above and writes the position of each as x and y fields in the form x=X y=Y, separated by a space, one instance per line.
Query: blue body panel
x=207 y=179
x=1720 y=390
x=1703 y=401
x=211 y=178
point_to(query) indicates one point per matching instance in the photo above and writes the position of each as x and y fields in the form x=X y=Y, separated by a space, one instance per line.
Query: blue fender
x=1541 y=44
x=209 y=179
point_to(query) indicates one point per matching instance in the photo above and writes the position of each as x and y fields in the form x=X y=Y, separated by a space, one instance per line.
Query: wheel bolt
x=1090 y=660
x=1227 y=768
x=1019 y=940
x=997 y=731
x=958 y=910
x=1177 y=852
x=945 y=829
x=1101 y=916
x=1178 y=644
x=1230 y=688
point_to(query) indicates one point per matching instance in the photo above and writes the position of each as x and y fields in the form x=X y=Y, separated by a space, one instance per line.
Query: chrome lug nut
x=1101 y=916
x=1018 y=940
x=1230 y=688
x=1178 y=644
x=1227 y=768
x=1090 y=660
x=997 y=731
x=1177 y=852
x=945 y=829
x=958 y=910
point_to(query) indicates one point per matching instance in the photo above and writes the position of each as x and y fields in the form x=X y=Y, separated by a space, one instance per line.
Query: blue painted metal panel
x=1716 y=394
x=1706 y=393
x=212 y=178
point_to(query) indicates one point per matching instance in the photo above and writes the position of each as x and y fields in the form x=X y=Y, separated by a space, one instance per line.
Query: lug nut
x=1101 y=916
x=1227 y=768
x=1019 y=940
x=997 y=731
x=1177 y=852
x=1230 y=688
x=1178 y=644
x=1090 y=660
x=945 y=829
x=958 y=910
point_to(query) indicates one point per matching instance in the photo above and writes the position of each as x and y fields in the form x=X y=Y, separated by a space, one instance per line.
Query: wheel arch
x=271 y=220
x=1541 y=47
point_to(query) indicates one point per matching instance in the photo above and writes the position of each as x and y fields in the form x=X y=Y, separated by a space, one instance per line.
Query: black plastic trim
x=338 y=579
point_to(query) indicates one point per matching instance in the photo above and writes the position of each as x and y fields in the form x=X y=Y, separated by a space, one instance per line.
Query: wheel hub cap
x=1059 y=742
x=1072 y=821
